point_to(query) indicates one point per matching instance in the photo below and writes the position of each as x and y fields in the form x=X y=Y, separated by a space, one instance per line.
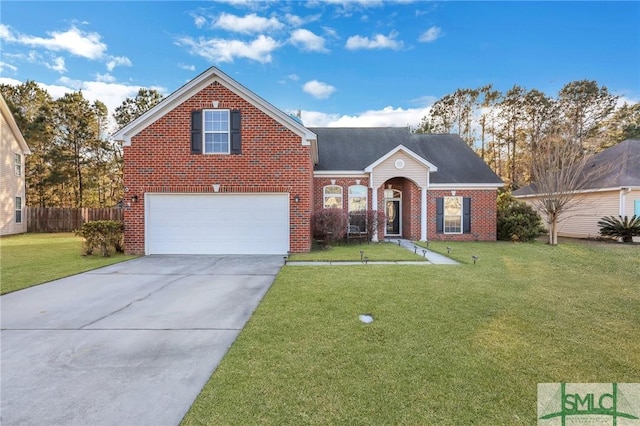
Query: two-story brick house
x=214 y=168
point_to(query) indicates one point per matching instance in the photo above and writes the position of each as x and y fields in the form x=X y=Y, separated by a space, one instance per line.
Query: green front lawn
x=351 y=252
x=30 y=259
x=449 y=345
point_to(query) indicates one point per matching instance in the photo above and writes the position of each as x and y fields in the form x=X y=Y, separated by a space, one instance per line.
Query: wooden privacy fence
x=53 y=219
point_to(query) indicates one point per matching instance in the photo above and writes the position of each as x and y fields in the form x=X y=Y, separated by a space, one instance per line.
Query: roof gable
x=208 y=77
x=407 y=151
x=621 y=165
x=11 y=122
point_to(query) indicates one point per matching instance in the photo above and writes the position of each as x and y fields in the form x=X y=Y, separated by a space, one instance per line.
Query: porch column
x=374 y=205
x=423 y=214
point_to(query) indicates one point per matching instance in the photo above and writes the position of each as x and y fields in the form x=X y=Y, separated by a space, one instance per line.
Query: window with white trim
x=332 y=197
x=216 y=131
x=357 y=198
x=18 y=209
x=18 y=164
x=357 y=206
x=453 y=215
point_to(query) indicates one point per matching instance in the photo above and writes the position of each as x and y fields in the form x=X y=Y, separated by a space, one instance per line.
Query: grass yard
x=449 y=345
x=30 y=259
x=351 y=252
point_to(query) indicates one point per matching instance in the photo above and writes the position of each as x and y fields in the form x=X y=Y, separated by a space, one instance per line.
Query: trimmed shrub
x=330 y=225
x=620 y=227
x=517 y=220
x=103 y=235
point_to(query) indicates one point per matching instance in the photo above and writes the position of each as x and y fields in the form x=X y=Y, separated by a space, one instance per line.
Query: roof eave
x=15 y=130
x=459 y=186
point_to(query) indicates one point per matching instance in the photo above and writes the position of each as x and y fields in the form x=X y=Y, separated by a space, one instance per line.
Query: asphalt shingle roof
x=349 y=148
x=620 y=163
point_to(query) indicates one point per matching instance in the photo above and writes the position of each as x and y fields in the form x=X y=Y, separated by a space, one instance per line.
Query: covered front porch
x=399 y=183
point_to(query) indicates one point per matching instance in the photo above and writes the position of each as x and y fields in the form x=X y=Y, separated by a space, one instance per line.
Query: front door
x=393 y=218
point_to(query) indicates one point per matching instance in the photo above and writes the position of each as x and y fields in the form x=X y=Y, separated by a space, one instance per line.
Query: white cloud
x=199 y=21
x=4 y=66
x=307 y=41
x=57 y=65
x=10 y=81
x=251 y=23
x=386 y=117
x=118 y=61
x=294 y=20
x=318 y=89
x=74 y=41
x=105 y=78
x=5 y=33
x=330 y=32
x=219 y=50
x=379 y=41
x=187 y=67
x=431 y=35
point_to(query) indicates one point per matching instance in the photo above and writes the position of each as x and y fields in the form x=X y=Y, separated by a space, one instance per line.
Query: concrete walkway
x=431 y=257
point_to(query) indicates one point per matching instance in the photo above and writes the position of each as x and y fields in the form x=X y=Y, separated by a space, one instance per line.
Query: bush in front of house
x=330 y=225
x=517 y=220
x=103 y=235
x=620 y=227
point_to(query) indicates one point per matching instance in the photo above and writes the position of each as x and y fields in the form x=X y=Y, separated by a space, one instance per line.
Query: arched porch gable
x=400 y=162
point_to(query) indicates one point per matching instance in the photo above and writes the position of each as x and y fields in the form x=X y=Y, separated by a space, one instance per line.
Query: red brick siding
x=483 y=208
x=273 y=159
x=483 y=215
x=345 y=183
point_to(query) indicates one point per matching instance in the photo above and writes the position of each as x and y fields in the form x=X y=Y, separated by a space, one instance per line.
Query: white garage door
x=217 y=223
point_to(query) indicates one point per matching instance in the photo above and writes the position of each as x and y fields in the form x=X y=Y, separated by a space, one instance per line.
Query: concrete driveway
x=129 y=344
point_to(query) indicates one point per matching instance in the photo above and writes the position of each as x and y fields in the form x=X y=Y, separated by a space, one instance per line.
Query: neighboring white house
x=13 y=148
x=614 y=192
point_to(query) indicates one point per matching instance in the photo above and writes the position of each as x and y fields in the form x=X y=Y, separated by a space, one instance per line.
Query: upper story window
x=215 y=131
x=452 y=215
x=18 y=164
x=332 y=197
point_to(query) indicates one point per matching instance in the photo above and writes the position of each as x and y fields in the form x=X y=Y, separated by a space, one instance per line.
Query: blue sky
x=342 y=63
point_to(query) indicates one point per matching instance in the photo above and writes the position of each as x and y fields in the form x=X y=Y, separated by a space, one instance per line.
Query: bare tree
x=561 y=169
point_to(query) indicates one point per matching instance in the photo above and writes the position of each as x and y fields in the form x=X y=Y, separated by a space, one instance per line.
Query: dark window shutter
x=439 y=215
x=466 y=215
x=236 y=145
x=196 y=132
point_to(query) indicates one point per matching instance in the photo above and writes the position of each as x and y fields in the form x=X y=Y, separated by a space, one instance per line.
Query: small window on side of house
x=18 y=165
x=18 y=209
x=332 y=197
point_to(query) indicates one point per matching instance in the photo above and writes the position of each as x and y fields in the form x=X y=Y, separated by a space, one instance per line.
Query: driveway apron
x=129 y=344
